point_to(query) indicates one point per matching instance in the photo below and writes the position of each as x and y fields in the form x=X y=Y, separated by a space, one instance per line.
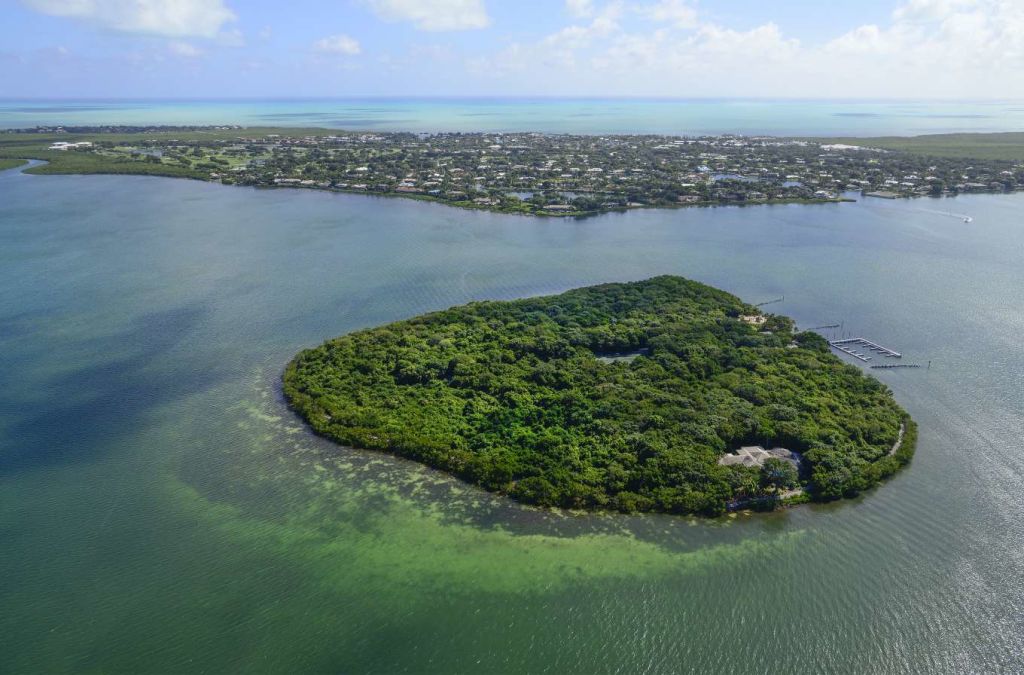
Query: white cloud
x=923 y=48
x=578 y=37
x=184 y=49
x=928 y=48
x=170 y=18
x=434 y=15
x=675 y=12
x=338 y=44
x=931 y=10
x=555 y=52
x=580 y=8
x=867 y=39
x=763 y=42
x=951 y=43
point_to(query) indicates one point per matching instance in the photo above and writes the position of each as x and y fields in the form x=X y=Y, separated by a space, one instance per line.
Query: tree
x=516 y=397
x=778 y=474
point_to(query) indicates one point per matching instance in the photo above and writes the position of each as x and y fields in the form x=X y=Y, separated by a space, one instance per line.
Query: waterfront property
x=523 y=173
x=755 y=456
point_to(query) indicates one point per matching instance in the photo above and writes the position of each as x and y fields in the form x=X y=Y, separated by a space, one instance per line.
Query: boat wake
x=961 y=216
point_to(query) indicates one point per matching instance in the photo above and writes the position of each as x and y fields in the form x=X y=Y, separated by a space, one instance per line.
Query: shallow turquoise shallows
x=162 y=511
x=553 y=115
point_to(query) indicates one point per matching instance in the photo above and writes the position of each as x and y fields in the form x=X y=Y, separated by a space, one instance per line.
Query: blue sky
x=675 y=48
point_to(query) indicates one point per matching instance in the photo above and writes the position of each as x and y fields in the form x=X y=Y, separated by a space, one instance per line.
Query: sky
x=856 y=49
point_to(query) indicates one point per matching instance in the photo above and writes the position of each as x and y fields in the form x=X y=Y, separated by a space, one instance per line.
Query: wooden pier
x=850 y=347
x=897 y=365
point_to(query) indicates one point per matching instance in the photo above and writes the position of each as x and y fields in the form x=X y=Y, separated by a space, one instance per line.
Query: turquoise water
x=162 y=511
x=596 y=116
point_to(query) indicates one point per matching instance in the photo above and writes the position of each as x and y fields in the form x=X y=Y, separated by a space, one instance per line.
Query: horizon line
x=510 y=97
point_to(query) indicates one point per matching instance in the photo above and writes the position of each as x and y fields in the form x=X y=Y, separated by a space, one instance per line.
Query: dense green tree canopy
x=526 y=398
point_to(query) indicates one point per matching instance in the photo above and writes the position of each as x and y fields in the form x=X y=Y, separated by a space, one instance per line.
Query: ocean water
x=162 y=511
x=553 y=115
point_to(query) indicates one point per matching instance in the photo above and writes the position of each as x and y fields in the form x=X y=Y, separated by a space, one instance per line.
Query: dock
x=770 y=302
x=897 y=365
x=852 y=347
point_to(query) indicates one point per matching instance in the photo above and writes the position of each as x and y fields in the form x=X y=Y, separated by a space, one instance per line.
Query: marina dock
x=853 y=347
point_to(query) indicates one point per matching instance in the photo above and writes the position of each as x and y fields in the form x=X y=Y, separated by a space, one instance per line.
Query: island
x=539 y=174
x=660 y=395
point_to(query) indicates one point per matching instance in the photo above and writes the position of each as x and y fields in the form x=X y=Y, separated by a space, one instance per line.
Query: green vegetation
x=1008 y=147
x=10 y=163
x=113 y=151
x=534 y=174
x=525 y=398
x=778 y=474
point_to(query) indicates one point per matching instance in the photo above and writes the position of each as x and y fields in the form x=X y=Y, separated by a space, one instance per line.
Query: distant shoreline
x=803 y=116
x=549 y=175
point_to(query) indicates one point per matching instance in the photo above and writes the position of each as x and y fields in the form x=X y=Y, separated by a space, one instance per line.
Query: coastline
x=566 y=176
x=904 y=446
x=509 y=212
x=12 y=163
x=357 y=367
x=43 y=169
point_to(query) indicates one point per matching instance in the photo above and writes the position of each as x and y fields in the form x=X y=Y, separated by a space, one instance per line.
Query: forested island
x=539 y=174
x=627 y=396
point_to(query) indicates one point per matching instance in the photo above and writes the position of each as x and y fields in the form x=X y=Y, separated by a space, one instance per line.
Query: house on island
x=755 y=456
